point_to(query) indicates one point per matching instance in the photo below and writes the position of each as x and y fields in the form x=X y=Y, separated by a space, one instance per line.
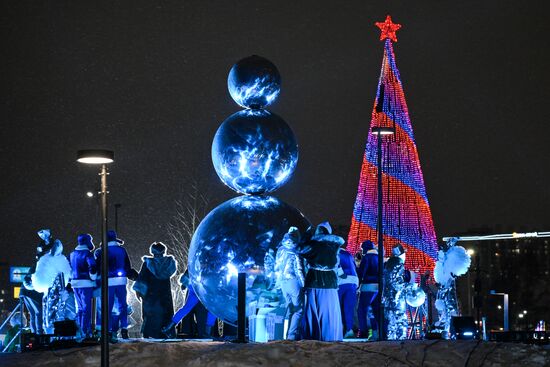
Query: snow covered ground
x=144 y=353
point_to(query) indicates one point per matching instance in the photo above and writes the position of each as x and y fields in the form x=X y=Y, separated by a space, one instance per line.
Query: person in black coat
x=322 y=317
x=153 y=289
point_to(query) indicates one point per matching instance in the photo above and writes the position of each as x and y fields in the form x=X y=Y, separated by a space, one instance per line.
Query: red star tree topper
x=388 y=29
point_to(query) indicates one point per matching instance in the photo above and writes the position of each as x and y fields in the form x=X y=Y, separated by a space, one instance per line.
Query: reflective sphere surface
x=254 y=151
x=415 y=296
x=254 y=82
x=236 y=237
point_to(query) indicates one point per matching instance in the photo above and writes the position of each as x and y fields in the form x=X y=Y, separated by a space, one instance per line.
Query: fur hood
x=329 y=238
x=162 y=267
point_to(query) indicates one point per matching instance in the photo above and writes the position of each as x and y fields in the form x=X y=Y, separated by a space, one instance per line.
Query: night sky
x=147 y=79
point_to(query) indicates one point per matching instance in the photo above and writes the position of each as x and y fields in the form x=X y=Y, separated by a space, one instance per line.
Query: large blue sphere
x=235 y=237
x=254 y=151
x=254 y=82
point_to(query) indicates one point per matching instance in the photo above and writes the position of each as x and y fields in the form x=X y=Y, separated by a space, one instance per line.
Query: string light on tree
x=407 y=217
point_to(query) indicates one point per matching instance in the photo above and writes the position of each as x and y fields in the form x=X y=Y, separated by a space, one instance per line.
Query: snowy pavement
x=144 y=353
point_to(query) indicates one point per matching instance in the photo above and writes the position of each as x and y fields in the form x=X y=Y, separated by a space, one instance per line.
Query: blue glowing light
x=233 y=238
x=254 y=82
x=467 y=333
x=254 y=152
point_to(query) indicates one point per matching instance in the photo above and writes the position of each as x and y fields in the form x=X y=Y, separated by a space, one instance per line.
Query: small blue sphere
x=240 y=235
x=254 y=152
x=254 y=82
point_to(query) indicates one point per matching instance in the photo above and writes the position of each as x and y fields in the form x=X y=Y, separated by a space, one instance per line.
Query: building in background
x=519 y=267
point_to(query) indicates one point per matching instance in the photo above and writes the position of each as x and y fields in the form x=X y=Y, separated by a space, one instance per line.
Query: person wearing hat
x=32 y=298
x=289 y=268
x=347 y=289
x=153 y=290
x=368 y=289
x=83 y=276
x=322 y=318
x=395 y=280
x=120 y=270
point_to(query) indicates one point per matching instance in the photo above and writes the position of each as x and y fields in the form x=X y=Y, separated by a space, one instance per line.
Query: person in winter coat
x=15 y=323
x=395 y=281
x=84 y=274
x=153 y=289
x=191 y=302
x=347 y=289
x=322 y=317
x=120 y=270
x=289 y=268
x=368 y=280
x=50 y=278
x=31 y=297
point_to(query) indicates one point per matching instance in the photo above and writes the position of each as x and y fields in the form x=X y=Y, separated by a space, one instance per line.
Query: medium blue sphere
x=254 y=82
x=254 y=152
x=236 y=237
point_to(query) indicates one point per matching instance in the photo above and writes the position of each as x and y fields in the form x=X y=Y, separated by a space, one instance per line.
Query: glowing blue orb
x=254 y=82
x=254 y=151
x=235 y=237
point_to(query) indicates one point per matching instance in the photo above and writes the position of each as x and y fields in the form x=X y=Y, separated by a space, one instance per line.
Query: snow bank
x=284 y=353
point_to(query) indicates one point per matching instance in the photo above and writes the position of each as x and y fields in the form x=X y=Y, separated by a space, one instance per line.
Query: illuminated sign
x=17 y=273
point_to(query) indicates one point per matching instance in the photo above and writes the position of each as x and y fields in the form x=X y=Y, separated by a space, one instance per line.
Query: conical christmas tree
x=407 y=218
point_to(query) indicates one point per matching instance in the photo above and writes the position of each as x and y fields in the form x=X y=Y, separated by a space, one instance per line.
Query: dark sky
x=148 y=80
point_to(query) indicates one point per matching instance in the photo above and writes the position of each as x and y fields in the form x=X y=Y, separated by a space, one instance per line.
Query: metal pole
x=105 y=314
x=21 y=326
x=241 y=304
x=506 y=325
x=379 y=229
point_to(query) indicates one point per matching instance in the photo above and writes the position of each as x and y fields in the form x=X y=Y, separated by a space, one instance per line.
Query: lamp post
x=102 y=157
x=379 y=131
x=506 y=309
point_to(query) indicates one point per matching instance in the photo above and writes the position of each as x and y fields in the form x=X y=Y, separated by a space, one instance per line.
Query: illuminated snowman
x=254 y=152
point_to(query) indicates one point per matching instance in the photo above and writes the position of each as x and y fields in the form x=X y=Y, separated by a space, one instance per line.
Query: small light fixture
x=90 y=194
x=520 y=316
x=470 y=251
x=95 y=156
x=382 y=130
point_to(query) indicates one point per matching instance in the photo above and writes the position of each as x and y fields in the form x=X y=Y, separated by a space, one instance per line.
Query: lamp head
x=383 y=130
x=95 y=156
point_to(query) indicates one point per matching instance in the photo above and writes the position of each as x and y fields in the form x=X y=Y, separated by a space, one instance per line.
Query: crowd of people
x=59 y=288
x=321 y=283
x=329 y=294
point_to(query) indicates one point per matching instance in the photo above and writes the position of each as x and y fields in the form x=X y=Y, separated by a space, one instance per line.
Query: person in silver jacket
x=289 y=267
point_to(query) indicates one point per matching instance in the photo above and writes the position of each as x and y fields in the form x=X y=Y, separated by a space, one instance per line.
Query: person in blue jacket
x=368 y=280
x=84 y=274
x=347 y=289
x=120 y=270
x=191 y=302
x=322 y=318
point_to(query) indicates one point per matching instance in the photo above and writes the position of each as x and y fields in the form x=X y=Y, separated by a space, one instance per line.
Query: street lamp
x=102 y=157
x=506 y=301
x=379 y=131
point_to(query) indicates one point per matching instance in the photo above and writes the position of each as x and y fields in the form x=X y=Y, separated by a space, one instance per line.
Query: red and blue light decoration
x=407 y=218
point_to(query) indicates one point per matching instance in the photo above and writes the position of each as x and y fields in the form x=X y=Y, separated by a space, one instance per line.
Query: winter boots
x=168 y=330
